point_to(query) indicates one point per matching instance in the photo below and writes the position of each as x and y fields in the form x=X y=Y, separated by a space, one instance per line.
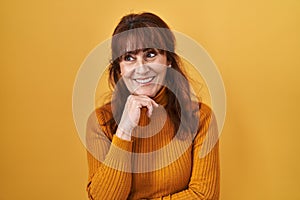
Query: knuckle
x=134 y=101
x=131 y=98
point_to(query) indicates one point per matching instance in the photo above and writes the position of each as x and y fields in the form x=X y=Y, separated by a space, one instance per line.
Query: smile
x=145 y=80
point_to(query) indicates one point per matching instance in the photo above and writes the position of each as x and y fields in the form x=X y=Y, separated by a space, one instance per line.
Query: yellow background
x=254 y=43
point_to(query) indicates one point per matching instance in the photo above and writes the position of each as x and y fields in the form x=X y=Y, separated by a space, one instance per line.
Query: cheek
x=125 y=70
x=163 y=74
x=160 y=70
x=122 y=68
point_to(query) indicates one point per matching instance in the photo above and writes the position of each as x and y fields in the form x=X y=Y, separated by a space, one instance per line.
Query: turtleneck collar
x=161 y=97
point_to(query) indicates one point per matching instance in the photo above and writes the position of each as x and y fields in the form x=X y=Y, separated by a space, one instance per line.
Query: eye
x=151 y=54
x=128 y=57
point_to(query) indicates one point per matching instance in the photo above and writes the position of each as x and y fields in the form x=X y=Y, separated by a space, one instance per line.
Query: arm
x=110 y=172
x=109 y=166
x=205 y=178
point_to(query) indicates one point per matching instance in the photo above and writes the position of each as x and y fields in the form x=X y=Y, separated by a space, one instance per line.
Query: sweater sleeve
x=109 y=162
x=205 y=178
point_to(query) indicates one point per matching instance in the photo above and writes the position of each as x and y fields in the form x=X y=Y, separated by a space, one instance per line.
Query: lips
x=144 y=80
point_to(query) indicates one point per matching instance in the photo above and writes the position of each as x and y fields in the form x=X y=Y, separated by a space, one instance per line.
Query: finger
x=148 y=98
x=145 y=102
x=150 y=110
x=139 y=101
x=150 y=105
x=154 y=103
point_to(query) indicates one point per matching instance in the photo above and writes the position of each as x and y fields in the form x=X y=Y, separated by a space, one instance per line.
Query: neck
x=161 y=97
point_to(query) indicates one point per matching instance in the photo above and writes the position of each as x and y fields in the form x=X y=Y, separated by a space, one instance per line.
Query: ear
x=119 y=74
x=169 y=63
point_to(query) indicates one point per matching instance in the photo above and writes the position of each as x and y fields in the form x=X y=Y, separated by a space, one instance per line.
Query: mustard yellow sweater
x=120 y=169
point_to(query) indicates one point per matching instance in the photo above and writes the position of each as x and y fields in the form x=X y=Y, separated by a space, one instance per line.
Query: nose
x=142 y=69
x=141 y=65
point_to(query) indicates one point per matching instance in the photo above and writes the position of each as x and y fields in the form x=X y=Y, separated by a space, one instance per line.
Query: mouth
x=144 y=80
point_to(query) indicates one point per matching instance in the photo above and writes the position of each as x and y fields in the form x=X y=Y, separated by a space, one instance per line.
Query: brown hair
x=147 y=30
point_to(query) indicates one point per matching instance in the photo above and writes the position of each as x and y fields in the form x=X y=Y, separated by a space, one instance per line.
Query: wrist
x=123 y=134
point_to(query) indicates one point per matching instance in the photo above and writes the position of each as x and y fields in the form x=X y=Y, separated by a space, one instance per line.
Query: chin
x=150 y=93
x=149 y=90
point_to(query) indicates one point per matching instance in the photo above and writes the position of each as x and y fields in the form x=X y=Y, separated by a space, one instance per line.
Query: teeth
x=143 y=81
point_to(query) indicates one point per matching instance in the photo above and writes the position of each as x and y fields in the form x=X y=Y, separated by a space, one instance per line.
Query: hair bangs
x=139 y=39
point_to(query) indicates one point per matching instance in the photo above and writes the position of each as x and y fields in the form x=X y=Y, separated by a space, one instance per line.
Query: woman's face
x=144 y=71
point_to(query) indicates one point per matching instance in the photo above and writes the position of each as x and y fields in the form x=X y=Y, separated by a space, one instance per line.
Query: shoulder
x=104 y=113
x=101 y=114
x=99 y=120
x=207 y=135
x=202 y=111
x=206 y=119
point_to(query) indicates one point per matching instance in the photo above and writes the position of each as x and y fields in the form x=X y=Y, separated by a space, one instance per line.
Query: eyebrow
x=138 y=50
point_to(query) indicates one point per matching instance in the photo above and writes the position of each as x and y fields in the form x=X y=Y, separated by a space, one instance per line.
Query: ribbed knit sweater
x=120 y=169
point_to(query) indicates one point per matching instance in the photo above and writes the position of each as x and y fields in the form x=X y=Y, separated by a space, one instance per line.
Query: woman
x=145 y=143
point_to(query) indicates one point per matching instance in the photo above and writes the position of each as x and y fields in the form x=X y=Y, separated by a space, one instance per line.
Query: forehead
x=138 y=39
x=137 y=51
x=138 y=42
